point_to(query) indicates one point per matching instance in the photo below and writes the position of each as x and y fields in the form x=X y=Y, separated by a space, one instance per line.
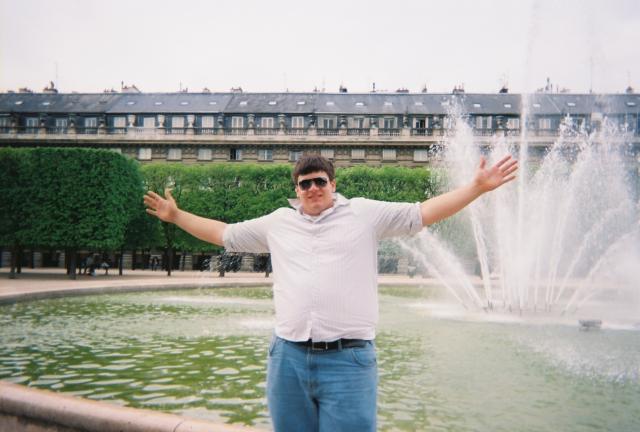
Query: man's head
x=314 y=178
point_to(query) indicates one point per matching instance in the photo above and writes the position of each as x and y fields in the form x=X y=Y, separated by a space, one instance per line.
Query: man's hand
x=442 y=206
x=164 y=209
x=499 y=174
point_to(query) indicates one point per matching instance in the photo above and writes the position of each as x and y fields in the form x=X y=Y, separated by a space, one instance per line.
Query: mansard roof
x=57 y=103
x=318 y=103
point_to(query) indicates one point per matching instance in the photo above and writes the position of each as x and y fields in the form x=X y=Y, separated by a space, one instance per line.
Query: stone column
x=127 y=260
x=37 y=260
x=247 y=263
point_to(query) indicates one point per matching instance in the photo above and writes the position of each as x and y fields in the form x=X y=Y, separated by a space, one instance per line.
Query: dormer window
x=631 y=104
x=418 y=103
x=571 y=104
x=243 y=103
x=46 y=103
x=184 y=103
x=272 y=102
x=213 y=103
x=18 y=102
x=330 y=103
x=360 y=104
x=507 y=105
x=301 y=102
x=387 y=103
x=477 y=105
x=157 y=103
x=131 y=103
x=536 y=105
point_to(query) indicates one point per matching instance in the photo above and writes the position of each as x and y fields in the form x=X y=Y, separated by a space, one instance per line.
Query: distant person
x=322 y=367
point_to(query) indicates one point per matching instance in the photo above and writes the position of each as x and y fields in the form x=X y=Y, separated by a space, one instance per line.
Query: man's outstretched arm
x=166 y=209
x=486 y=179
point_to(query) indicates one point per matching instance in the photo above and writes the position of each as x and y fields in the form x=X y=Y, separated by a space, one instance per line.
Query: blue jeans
x=325 y=391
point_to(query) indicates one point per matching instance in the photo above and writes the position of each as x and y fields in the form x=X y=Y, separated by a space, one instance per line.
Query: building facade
x=367 y=128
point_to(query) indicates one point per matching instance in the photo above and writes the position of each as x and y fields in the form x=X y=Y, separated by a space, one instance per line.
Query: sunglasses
x=319 y=182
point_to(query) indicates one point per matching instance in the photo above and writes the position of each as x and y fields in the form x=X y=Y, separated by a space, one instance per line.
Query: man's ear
x=333 y=185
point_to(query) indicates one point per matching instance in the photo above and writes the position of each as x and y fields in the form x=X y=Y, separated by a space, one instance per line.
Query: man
x=322 y=373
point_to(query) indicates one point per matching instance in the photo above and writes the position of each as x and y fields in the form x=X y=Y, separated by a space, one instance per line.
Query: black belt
x=333 y=345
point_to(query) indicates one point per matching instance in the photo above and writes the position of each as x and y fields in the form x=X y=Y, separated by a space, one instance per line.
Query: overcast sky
x=271 y=46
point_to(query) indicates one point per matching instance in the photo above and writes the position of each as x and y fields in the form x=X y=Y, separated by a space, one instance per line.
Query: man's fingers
x=483 y=162
x=152 y=212
x=511 y=170
x=167 y=194
x=503 y=160
x=508 y=179
x=508 y=166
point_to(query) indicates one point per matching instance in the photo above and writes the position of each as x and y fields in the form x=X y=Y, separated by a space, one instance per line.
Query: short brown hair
x=312 y=163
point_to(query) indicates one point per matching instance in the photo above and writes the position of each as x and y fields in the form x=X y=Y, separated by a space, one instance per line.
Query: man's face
x=314 y=197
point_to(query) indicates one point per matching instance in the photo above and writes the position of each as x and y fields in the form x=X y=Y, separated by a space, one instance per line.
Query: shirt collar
x=338 y=201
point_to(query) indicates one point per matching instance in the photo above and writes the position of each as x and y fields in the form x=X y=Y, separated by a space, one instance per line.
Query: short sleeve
x=392 y=219
x=248 y=236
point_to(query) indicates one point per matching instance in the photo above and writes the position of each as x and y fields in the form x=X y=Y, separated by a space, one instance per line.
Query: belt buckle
x=319 y=346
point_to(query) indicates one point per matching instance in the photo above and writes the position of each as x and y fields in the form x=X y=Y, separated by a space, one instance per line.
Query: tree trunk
x=14 y=252
x=121 y=262
x=19 y=260
x=73 y=259
x=169 y=253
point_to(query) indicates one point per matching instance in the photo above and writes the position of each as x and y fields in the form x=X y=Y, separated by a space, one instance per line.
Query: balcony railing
x=484 y=132
x=266 y=131
x=358 y=131
x=235 y=131
x=296 y=131
x=422 y=132
x=328 y=131
x=389 y=132
x=57 y=130
x=117 y=130
x=175 y=131
x=86 y=130
x=206 y=131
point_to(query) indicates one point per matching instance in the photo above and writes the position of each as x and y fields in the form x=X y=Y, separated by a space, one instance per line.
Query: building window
x=294 y=155
x=544 y=123
x=388 y=154
x=205 y=154
x=119 y=122
x=327 y=153
x=489 y=122
x=420 y=155
x=513 y=123
x=32 y=124
x=144 y=153
x=297 y=122
x=61 y=123
x=177 y=122
x=389 y=123
x=358 y=122
x=5 y=121
x=174 y=154
x=237 y=122
x=357 y=154
x=265 y=154
x=478 y=122
x=329 y=123
x=149 y=122
x=235 y=154
x=207 y=122
x=266 y=122
x=90 y=122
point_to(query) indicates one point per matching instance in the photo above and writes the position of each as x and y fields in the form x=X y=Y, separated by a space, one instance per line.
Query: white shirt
x=325 y=268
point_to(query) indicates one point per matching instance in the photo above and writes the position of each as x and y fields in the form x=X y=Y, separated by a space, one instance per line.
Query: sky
x=296 y=45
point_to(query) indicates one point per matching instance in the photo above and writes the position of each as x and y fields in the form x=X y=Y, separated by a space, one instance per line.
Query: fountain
x=561 y=240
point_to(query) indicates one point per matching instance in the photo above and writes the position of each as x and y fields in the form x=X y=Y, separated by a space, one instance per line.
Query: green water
x=202 y=353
